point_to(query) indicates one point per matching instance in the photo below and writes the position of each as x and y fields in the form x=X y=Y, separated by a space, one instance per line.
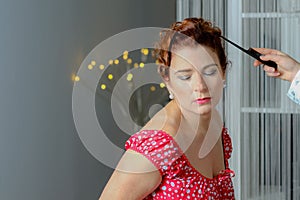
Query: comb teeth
x=251 y=52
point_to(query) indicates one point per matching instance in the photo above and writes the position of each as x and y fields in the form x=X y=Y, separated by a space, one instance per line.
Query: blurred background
x=43 y=44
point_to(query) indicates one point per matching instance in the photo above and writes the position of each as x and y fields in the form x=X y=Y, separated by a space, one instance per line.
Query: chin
x=204 y=113
x=205 y=110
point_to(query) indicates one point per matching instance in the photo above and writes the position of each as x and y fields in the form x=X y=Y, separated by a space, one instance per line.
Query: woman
x=183 y=151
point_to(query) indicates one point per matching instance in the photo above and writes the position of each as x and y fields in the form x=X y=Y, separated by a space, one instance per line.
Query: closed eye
x=185 y=77
x=210 y=72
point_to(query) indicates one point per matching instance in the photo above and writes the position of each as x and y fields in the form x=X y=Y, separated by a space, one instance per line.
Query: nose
x=199 y=84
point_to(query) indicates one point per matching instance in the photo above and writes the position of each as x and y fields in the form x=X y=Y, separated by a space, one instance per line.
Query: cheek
x=182 y=89
x=179 y=87
x=213 y=82
x=215 y=87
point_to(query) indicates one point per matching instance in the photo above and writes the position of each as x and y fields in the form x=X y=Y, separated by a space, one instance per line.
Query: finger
x=267 y=51
x=269 y=69
x=272 y=57
x=273 y=74
x=256 y=63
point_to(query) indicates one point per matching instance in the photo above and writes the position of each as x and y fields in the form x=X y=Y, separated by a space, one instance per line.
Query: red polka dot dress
x=180 y=180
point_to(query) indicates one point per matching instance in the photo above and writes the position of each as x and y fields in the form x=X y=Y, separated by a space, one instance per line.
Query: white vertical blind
x=269 y=119
x=264 y=123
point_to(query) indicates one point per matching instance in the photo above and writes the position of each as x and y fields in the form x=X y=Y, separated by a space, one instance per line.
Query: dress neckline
x=220 y=174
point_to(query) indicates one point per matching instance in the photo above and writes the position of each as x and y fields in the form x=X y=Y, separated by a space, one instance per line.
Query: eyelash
x=184 y=77
x=206 y=74
x=210 y=73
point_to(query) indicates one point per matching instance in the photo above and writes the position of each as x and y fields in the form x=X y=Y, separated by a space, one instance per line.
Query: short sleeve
x=157 y=146
x=227 y=145
x=294 y=91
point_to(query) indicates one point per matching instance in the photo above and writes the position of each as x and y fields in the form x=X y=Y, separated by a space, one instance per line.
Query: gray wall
x=42 y=43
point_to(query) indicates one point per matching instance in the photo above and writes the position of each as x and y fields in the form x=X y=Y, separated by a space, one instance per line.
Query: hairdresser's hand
x=287 y=66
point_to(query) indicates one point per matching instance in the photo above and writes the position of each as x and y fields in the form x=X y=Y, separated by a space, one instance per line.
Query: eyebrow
x=183 y=70
x=209 y=65
x=189 y=70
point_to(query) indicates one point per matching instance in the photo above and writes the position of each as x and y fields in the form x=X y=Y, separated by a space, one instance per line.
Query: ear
x=164 y=72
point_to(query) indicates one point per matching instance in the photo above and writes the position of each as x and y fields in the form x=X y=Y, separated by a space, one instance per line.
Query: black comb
x=251 y=52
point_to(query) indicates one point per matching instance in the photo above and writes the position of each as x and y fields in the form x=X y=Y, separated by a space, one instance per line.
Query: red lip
x=203 y=100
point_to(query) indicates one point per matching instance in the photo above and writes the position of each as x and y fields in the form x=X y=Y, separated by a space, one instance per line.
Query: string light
x=129 y=76
x=125 y=56
x=93 y=63
x=142 y=65
x=145 y=52
x=116 y=61
x=103 y=86
x=129 y=61
x=101 y=67
x=76 y=78
x=152 y=88
x=90 y=67
x=110 y=76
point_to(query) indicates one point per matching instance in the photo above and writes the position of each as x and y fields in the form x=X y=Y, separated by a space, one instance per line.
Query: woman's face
x=196 y=79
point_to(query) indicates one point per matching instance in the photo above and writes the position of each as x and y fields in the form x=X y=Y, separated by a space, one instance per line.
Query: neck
x=199 y=124
x=200 y=132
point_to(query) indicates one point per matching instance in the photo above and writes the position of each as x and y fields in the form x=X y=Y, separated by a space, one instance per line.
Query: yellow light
x=90 y=67
x=93 y=63
x=142 y=50
x=125 y=53
x=146 y=52
x=103 y=86
x=125 y=56
x=77 y=78
x=129 y=61
x=110 y=62
x=101 y=67
x=110 y=76
x=162 y=85
x=116 y=61
x=142 y=65
x=129 y=77
x=136 y=65
x=152 y=88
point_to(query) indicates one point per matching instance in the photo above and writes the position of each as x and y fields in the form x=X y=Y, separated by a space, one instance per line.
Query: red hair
x=199 y=30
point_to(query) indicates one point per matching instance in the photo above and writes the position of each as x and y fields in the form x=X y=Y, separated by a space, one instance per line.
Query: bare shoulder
x=135 y=177
x=167 y=119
